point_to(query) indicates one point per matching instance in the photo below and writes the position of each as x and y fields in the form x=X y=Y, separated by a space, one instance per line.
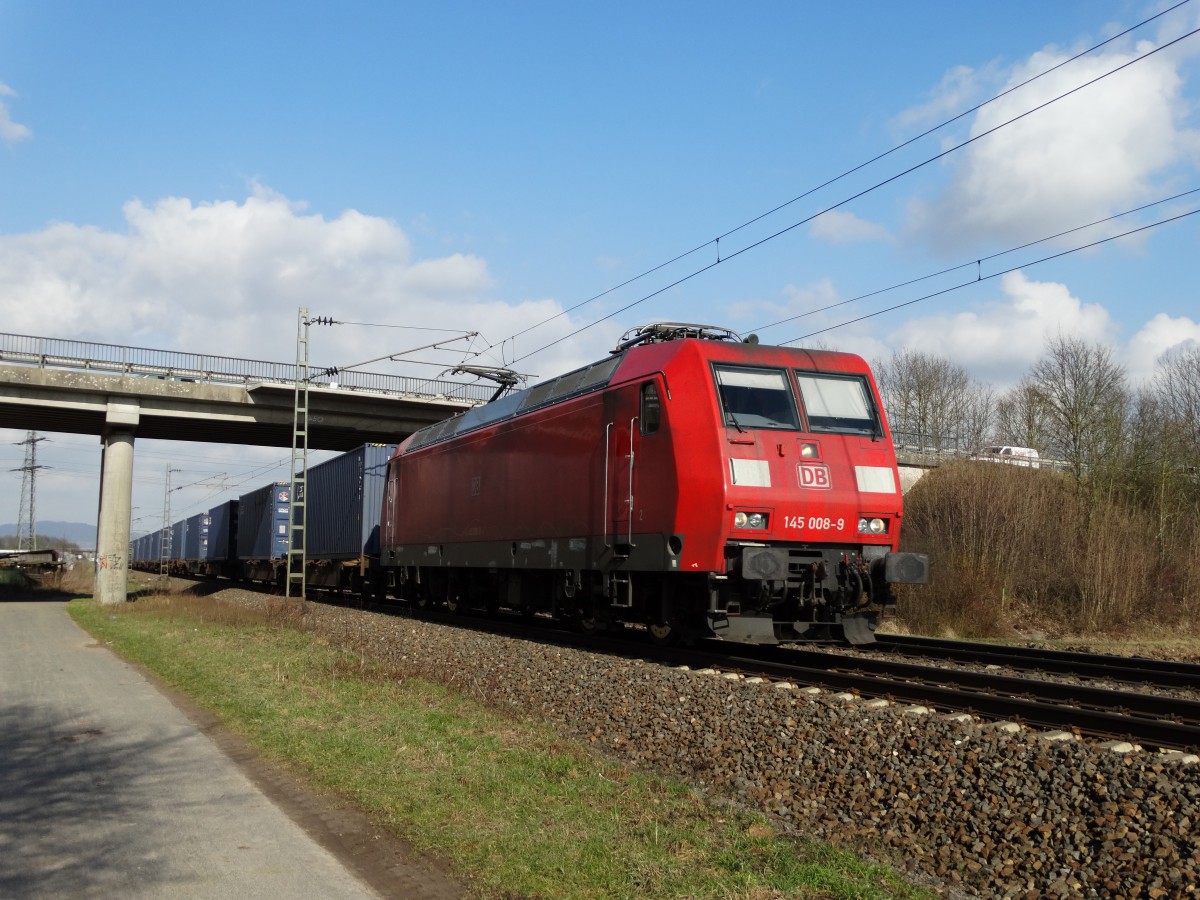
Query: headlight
x=808 y=451
x=872 y=526
x=755 y=520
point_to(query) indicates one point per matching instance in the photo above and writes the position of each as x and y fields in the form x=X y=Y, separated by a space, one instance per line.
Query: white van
x=1014 y=456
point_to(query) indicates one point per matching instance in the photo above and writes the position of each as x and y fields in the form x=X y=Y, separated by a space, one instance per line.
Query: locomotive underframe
x=766 y=592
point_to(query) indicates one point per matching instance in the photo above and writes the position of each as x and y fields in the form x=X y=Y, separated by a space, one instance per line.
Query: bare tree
x=1023 y=418
x=1176 y=387
x=932 y=399
x=976 y=417
x=1086 y=400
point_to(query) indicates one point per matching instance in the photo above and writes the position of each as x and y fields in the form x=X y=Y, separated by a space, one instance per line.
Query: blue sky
x=186 y=176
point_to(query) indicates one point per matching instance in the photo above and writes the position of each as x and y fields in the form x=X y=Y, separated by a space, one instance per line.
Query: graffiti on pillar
x=112 y=561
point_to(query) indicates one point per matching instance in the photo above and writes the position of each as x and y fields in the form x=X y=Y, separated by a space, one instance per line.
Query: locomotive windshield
x=756 y=398
x=837 y=403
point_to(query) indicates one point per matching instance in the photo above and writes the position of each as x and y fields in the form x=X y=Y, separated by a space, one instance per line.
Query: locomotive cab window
x=838 y=403
x=651 y=413
x=756 y=398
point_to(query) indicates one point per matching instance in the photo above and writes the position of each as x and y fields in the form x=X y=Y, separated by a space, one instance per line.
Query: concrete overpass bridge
x=120 y=393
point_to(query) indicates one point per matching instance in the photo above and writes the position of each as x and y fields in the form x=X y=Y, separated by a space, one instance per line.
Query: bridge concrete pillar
x=116 y=501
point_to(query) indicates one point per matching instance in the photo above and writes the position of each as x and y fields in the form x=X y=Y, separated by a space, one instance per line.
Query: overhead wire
x=974 y=262
x=982 y=278
x=863 y=192
x=827 y=183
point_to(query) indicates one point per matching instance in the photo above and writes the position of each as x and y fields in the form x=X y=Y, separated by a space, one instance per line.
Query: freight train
x=690 y=483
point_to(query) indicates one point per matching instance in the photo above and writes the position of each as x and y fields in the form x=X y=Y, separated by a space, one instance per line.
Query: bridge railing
x=59 y=353
x=928 y=443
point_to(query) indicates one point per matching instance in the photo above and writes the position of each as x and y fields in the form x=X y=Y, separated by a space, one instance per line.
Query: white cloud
x=227 y=278
x=953 y=94
x=1001 y=340
x=10 y=131
x=840 y=227
x=1155 y=338
x=1097 y=152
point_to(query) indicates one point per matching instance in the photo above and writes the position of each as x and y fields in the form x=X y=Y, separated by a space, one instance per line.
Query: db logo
x=815 y=475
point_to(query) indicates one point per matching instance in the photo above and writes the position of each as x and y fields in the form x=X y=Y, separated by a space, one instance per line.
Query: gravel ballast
x=984 y=809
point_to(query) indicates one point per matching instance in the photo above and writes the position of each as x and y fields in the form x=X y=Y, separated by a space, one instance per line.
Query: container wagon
x=343 y=498
x=262 y=532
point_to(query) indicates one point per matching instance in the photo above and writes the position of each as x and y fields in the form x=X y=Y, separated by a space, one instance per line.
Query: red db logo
x=815 y=475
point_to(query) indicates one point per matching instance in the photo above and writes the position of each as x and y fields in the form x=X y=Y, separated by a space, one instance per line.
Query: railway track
x=1106 y=667
x=1149 y=720
x=1165 y=722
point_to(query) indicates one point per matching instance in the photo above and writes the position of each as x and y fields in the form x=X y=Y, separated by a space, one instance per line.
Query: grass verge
x=518 y=809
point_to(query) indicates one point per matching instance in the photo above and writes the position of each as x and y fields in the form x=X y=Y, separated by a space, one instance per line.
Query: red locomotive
x=692 y=482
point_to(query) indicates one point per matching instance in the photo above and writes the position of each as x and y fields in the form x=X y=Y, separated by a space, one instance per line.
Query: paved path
x=107 y=790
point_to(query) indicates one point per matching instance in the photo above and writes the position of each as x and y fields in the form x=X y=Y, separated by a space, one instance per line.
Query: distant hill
x=76 y=532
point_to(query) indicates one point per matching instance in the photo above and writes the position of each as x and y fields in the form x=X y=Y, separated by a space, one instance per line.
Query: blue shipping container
x=343 y=500
x=263 y=522
x=178 y=539
x=195 y=538
x=222 y=532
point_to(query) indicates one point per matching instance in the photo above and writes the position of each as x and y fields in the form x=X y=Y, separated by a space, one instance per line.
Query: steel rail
x=1041 y=711
x=1061 y=692
x=1136 y=669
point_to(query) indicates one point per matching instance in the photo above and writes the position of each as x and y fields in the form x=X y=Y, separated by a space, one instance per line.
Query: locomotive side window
x=756 y=398
x=651 y=415
x=837 y=403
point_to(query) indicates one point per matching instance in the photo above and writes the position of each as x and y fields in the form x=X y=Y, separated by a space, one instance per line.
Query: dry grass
x=1015 y=549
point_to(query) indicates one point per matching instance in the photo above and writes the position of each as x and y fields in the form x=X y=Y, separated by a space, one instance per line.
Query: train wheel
x=663 y=633
x=589 y=620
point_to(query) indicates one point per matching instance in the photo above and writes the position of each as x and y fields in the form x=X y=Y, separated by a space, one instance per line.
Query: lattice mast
x=167 y=533
x=297 y=558
x=27 y=514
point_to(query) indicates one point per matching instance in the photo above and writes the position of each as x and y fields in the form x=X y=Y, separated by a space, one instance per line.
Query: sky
x=527 y=180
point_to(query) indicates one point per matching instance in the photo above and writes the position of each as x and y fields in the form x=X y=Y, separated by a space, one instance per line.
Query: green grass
x=518 y=809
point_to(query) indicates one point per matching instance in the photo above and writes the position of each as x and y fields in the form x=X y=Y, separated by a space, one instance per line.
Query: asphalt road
x=107 y=790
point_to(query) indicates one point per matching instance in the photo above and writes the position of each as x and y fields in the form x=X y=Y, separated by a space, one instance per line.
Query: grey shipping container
x=263 y=522
x=222 y=532
x=343 y=499
x=195 y=537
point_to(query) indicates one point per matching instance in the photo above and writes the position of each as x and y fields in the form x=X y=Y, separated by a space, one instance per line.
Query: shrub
x=1007 y=542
